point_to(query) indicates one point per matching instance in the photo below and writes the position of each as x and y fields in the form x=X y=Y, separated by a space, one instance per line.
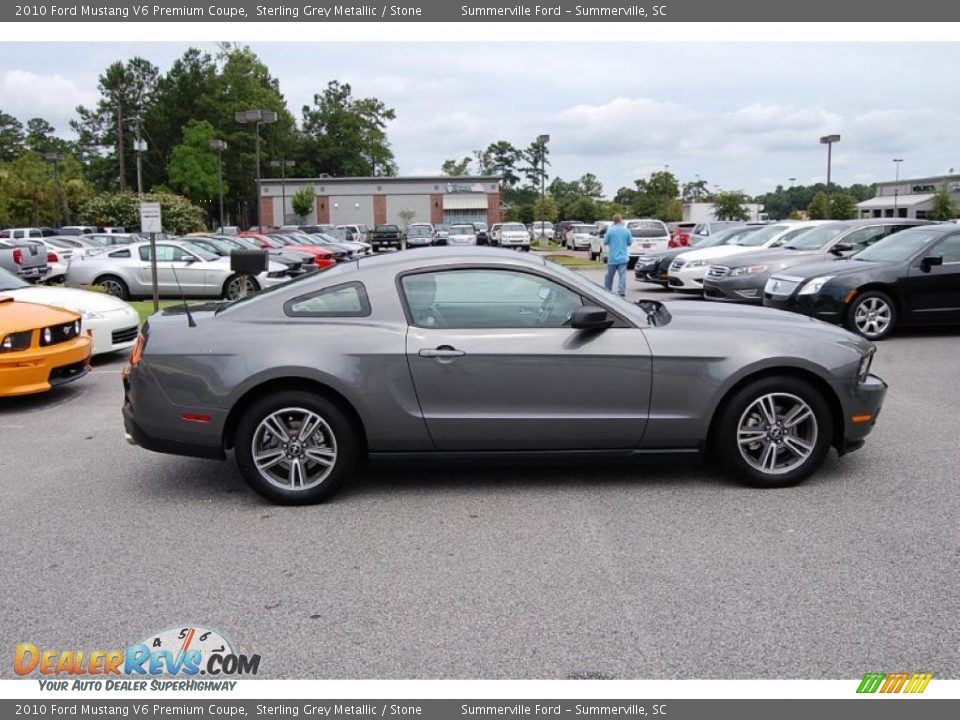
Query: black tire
x=338 y=427
x=228 y=290
x=114 y=286
x=737 y=413
x=872 y=315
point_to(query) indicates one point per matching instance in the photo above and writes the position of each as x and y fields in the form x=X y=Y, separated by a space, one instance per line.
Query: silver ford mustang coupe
x=484 y=353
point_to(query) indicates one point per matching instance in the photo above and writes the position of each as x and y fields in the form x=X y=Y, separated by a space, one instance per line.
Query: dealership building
x=908 y=198
x=381 y=200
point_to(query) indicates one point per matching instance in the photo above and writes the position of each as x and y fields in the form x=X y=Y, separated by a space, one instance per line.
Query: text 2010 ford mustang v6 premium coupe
x=482 y=352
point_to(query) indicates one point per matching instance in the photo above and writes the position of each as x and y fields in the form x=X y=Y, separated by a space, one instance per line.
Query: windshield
x=726 y=236
x=761 y=236
x=815 y=238
x=461 y=230
x=513 y=227
x=419 y=232
x=9 y=281
x=56 y=242
x=202 y=252
x=897 y=247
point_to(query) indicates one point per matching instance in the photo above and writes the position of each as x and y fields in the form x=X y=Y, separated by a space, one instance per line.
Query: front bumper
x=38 y=370
x=743 y=289
x=113 y=331
x=861 y=408
x=820 y=306
x=689 y=280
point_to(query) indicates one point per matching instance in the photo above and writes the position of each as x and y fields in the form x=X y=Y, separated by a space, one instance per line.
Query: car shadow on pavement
x=28 y=404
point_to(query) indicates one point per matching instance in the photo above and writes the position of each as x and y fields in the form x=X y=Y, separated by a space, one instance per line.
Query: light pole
x=283 y=165
x=542 y=140
x=896 y=190
x=55 y=158
x=829 y=140
x=219 y=146
x=258 y=117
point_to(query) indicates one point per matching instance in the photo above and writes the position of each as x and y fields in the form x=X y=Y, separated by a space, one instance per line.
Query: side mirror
x=841 y=247
x=930 y=261
x=590 y=317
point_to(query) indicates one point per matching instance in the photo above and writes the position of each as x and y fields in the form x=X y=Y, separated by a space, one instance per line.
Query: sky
x=741 y=115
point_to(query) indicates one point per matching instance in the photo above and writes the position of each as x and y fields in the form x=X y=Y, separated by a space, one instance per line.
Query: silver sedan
x=183 y=269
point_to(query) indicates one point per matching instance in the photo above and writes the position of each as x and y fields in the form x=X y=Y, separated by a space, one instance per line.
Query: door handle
x=444 y=351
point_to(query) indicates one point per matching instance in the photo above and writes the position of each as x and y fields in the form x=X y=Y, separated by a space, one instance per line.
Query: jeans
x=621 y=270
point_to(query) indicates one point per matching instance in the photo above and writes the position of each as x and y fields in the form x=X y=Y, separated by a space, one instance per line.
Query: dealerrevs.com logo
x=200 y=657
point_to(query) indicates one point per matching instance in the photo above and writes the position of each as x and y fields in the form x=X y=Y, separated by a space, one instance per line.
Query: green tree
x=942 y=206
x=406 y=216
x=654 y=194
x=536 y=161
x=347 y=136
x=695 y=191
x=456 y=168
x=729 y=205
x=192 y=170
x=502 y=158
x=123 y=208
x=303 y=200
x=543 y=209
x=842 y=206
x=126 y=92
x=584 y=208
x=819 y=207
x=11 y=136
x=590 y=186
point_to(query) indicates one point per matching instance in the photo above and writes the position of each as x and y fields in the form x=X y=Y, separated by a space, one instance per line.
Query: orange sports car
x=40 y=347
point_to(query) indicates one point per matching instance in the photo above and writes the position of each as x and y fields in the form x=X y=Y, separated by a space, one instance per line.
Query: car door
x=497 y=367
x=933 y=295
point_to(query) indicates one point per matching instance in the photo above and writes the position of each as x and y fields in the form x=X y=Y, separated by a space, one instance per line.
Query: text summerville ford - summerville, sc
x=314 y=12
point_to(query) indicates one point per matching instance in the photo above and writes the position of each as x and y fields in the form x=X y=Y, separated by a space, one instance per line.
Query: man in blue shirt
x=617 y=240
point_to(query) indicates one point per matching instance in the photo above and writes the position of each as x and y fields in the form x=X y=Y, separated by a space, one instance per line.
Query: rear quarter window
x=346 y=300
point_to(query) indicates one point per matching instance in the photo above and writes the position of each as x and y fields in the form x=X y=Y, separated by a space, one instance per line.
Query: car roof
x=434 y=255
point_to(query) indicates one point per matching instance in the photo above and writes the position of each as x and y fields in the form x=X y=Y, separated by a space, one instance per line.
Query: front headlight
x=748 y=270
x=864 y=368
x=91 y=315
x=815 y=285
x=694 y=263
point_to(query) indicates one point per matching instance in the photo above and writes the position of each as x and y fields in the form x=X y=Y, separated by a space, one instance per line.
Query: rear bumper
x=37 y=371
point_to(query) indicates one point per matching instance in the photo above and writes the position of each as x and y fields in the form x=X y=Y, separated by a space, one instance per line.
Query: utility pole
x=139 y=147
x=123 y=169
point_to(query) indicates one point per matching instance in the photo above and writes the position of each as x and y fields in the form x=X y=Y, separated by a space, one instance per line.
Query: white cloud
x=53 y=97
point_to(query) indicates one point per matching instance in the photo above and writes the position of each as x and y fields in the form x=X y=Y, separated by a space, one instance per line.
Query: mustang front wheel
x=775 y=432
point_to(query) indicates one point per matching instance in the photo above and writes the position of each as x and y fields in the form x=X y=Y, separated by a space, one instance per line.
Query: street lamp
x=896 y=190
x=542 y=140
x=283 y=165
x=219 y=146
x=55 y=158
x=829 y=140
x=258 y=117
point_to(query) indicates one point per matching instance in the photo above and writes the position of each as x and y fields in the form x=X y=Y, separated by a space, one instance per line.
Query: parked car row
x=870 y=275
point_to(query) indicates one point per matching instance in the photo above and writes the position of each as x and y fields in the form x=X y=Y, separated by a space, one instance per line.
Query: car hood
x=712 y=253
x=70 y=298
x=834 y=267
x=772 y=257
x=748 y=318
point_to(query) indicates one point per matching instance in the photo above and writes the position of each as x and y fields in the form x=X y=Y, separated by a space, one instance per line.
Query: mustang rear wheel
x=296 y=448
x=775 y=432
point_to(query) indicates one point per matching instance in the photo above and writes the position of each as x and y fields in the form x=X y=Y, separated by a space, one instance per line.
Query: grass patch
x=144 y=308
x=543 y=244
x=572 y=261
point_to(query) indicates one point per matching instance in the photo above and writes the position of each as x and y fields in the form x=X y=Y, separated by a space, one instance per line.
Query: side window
x=165 y=253
x=347 y=300
x=485 y=298
x=122 y=253
x=788 y=236
x=181 y=255
x=948 y=249
x=865 y=237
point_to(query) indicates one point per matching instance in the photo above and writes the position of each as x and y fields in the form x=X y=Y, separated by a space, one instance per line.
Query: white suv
x=515 y=235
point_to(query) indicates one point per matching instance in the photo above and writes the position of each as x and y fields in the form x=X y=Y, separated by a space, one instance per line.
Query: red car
x=322 y=257
x=680 y=234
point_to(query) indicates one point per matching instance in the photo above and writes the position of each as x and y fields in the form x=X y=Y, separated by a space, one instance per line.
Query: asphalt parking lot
x=438 y=572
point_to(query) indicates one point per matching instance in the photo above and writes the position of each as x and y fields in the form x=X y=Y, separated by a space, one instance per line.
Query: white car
x=579 y=237
x=462 y=235
x=112 y=323
x=514 y=235
x=688 y=269
x=647 y=235
x=543 y=229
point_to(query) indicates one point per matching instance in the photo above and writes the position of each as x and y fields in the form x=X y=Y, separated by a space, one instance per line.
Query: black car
x=652 y=267
x=741 y=278
x=483 y=233
x=910 y=278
